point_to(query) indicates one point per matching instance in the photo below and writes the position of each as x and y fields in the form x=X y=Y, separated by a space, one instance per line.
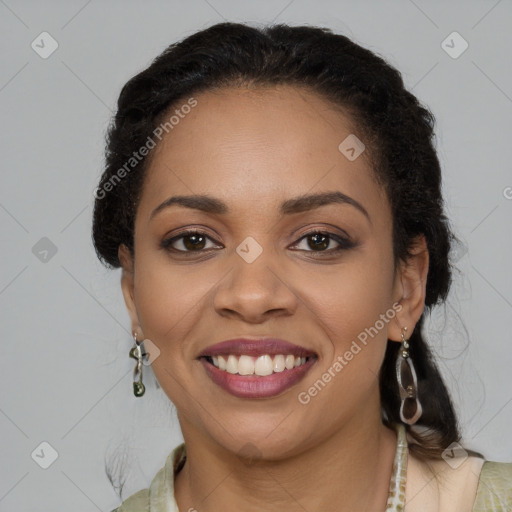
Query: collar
x=161 y=490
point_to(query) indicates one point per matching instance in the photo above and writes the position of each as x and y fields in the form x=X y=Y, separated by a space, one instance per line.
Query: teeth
x=245 y=365
x=232 y=365
x=279 y=364
x=262 y=365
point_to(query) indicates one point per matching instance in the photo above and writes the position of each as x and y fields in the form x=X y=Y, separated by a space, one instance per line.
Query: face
x=264 y=262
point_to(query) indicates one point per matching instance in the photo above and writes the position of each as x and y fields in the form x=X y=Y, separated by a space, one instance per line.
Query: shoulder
x=161 y=488
x=465 y=484
x=442 y=486
x=494 y=492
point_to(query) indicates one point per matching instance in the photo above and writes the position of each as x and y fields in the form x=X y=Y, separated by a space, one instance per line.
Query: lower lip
x=255 y=386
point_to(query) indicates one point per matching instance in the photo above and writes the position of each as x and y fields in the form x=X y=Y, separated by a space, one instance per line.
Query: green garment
x=494 y=493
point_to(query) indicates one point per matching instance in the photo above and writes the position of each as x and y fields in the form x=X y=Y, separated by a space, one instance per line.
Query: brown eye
x=188 y=241
x=192 y=242
x=319 y=241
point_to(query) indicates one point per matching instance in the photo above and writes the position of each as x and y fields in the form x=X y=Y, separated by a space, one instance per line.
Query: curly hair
x=398 y=132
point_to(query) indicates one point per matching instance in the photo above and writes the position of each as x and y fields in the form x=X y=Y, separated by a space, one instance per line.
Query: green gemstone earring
x=136 y=352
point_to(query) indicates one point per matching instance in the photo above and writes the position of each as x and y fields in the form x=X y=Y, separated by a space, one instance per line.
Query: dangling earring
x=136 y=352
x=410 y=407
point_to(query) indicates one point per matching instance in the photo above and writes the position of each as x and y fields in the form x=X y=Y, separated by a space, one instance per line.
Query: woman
x=273 y=198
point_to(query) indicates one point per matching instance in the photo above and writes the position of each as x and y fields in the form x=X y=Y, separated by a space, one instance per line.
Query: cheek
x=354 y=307
x=355 y=313
x=169 y=302
x=354 y=297
x=168 y=299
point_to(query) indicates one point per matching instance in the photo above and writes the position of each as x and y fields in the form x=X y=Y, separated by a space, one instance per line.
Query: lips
x=256 y=348
x=272 y=376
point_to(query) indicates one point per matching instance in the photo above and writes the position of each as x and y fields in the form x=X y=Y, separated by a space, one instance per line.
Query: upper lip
x=256 y=347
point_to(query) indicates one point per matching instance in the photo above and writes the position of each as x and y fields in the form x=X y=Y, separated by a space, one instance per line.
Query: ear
x=410 y=289
x=127 y=286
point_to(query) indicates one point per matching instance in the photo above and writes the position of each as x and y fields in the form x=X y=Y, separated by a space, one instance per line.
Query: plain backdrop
x=65 y=371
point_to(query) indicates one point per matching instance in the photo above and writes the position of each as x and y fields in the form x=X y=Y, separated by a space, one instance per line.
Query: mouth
x=249 y=368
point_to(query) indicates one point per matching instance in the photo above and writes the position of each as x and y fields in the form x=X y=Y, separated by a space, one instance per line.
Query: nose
x=255 y=291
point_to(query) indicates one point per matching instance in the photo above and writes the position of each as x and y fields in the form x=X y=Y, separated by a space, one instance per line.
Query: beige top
x=474 y=486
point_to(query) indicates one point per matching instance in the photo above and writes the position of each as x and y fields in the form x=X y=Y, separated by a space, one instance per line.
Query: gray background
x=66 y=375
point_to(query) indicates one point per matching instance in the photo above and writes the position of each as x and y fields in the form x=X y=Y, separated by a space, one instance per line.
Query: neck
x=350 y=469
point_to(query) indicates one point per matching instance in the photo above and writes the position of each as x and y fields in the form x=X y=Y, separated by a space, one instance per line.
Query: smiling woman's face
x=253 y=271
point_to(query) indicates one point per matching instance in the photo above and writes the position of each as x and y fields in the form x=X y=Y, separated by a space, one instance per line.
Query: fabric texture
x=494 y=493
x=494 y=488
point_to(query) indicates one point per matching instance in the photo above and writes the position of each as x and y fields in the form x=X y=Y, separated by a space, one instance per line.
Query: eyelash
x=344 y=243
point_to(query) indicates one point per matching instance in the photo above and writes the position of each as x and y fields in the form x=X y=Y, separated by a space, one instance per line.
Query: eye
x=319 y=241
x=315 y=241
x=188 y=241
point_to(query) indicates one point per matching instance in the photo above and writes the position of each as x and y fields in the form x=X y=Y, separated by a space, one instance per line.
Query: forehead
x=256 y=146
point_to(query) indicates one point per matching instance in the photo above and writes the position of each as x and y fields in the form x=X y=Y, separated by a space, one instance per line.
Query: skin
x=253 y=149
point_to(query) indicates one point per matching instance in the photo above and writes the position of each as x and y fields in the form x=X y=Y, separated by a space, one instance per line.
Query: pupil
x=196 y=240
x=324 y=241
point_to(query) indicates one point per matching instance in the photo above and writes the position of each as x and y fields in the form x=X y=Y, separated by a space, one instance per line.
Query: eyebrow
x=209 y=204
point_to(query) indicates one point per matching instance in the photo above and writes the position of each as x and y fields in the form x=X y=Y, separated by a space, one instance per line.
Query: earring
x=410 y=407
x=136 y=352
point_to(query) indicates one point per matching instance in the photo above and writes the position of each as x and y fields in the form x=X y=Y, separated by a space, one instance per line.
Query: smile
x=263 y=365
x=256 y=377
